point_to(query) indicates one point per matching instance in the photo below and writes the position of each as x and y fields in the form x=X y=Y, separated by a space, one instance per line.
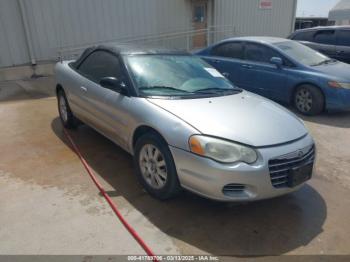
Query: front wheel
x=309 y=100
x=155 y=167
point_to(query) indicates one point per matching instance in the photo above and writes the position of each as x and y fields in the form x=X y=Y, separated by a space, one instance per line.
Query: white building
x=33 y=31
x=341 y=13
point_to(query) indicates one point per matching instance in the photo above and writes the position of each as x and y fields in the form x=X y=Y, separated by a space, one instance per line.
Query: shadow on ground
x=270 y=227
x=336 y=119
x=27 y=89
x=341 y=119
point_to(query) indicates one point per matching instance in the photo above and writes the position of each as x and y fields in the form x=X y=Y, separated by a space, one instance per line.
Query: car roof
x=129 y=49
x=323 y=28
x=260 y=39
x=132 y=49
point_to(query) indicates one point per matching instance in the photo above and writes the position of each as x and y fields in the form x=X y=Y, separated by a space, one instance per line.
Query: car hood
x=246 y=118
x=335 y=70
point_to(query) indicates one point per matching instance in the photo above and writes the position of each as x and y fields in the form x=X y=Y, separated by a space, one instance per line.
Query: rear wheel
x=155 y=167
x=309 y=100
x=67 y=118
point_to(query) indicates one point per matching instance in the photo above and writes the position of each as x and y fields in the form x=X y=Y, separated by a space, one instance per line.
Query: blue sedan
x=283 y=70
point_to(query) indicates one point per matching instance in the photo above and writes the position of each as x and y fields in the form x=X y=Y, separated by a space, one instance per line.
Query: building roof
x=341 y=11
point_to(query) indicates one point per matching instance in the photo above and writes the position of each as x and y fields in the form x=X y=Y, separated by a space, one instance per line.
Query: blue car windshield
x=177 y=75
x=302 y=53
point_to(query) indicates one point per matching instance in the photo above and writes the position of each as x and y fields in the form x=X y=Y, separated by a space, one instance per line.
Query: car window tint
x=230 y=50
x=343 y=38
x=304 y=36
x=326 y=37
x=100 y=64
x=259 y=53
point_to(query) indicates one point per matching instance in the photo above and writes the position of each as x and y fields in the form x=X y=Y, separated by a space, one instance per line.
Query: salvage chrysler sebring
x=185 y=124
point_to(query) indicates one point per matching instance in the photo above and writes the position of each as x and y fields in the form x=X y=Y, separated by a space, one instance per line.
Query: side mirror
x=114 y=84
x=277 y=61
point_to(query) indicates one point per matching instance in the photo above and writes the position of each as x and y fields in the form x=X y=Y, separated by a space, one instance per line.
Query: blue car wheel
x=309 y=100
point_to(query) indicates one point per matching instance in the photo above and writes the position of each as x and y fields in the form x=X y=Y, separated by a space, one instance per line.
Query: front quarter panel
x=174 y=130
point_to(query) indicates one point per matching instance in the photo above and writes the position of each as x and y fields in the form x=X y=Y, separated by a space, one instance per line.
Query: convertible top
x=130 y=49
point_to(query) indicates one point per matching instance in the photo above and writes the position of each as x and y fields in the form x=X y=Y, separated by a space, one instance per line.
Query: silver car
x=185 y=124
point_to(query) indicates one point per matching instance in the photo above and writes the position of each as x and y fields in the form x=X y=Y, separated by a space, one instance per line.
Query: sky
x=315 y=7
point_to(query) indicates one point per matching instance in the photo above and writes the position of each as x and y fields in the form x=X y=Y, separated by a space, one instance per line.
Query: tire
x=309 y=100
x=160 y=181
x=67 y=118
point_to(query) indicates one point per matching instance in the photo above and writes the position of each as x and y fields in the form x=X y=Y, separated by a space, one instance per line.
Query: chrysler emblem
x=300 y=153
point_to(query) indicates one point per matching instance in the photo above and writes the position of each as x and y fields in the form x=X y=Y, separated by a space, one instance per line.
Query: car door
x=117 y=106
x=227 y=58
x=324 y=42
x=96 y=66
x=343 y=45
x=258 y=75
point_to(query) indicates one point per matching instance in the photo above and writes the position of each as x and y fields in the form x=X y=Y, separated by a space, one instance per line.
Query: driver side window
x=259 y=53
x=100 y=64
x=262 y=54
x=229 y=50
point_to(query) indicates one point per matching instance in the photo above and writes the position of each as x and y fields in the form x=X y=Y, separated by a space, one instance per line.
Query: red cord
x=109 y=200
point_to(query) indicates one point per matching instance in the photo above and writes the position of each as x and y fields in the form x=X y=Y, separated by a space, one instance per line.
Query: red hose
x=131 y=230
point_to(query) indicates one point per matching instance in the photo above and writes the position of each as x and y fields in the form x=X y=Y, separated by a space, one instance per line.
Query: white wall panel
x=249 y=20
x=13 y=48
x=55 y=24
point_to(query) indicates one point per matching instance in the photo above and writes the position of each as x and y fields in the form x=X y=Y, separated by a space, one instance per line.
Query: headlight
x=221 y=150
x=336 y=84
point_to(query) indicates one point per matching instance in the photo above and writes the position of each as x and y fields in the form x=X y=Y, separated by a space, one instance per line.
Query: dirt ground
x=50 y=206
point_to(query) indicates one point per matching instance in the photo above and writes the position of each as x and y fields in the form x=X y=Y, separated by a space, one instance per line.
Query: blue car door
x=227 y=58
x=259 y=75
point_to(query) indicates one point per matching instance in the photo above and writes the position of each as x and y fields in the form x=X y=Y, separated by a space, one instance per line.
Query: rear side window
x=326 y=37
x=259 y=53
x=100 y=64
x=343 y=38
x=230 y=50
x=304 y=36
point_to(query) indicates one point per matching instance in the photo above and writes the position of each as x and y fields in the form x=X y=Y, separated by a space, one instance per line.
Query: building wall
x=250 y=20
x=57 y=24
x=13 y=49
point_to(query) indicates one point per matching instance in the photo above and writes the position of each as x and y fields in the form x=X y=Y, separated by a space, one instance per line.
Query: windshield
x=302 y=53
x=177 y=75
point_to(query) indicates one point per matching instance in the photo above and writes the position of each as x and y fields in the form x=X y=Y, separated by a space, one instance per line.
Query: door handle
x=83 y=88
x=340 y=52
x=226 y=74
x=247 y=66
x=216 y=61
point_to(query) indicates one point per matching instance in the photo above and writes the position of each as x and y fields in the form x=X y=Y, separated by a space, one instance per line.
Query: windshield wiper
x=216 y=90
x=163 y=87
x=324 y=62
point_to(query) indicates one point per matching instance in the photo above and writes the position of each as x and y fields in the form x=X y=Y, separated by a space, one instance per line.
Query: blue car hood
x=337 y=70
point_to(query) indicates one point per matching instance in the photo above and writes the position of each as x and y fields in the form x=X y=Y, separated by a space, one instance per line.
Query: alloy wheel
x=153 y=166
x=303 y=100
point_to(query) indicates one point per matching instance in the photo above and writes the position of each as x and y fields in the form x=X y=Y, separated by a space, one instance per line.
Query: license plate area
x=300 y=175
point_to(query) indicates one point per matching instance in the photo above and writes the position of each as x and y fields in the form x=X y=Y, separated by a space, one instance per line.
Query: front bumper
x=208 y=178
x=338 y=100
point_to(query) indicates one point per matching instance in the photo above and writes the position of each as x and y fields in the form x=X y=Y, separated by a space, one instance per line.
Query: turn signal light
x=196 y=146
x=334 y=84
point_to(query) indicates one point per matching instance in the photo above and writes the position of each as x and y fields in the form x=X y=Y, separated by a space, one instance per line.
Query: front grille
x=281 y=167
x=231 y=189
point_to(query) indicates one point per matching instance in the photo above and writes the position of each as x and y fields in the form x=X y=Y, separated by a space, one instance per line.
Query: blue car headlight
x=336 y=84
